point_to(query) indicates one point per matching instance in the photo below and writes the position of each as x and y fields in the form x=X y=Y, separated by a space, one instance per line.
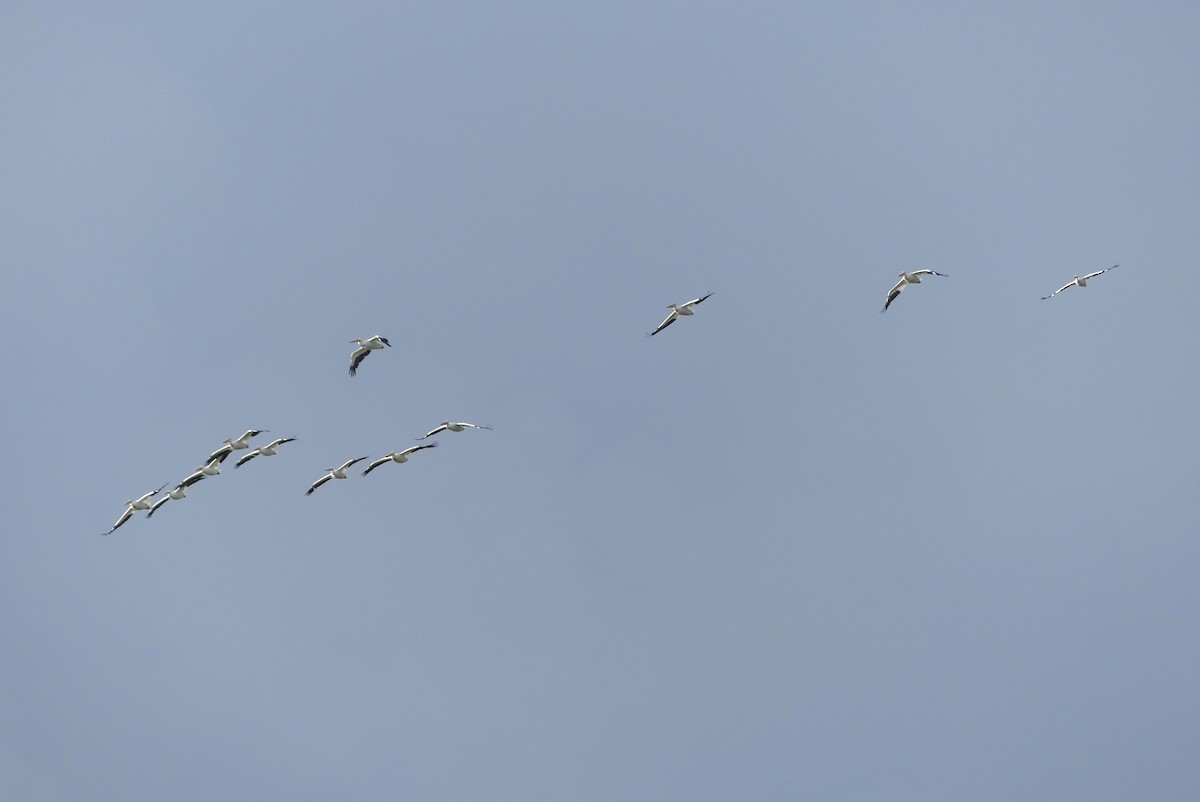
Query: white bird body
x=397 y=456
x=234 y=444
x=1079 y=281
x=210 y=468
x=134 y=505
x=451 y=426
x=905 y=279
x=177 y=492
x=678 y=311
x=365 y=347
x=333 y=473
x=269 y=450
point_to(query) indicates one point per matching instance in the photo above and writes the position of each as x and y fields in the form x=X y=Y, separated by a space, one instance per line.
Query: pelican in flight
x=267 y=451
x=365 y=347
x=333 y=473
x=906 y=279
x=177 y=492
x=133 y=505
x=234 y=444
x=397 y=456
x=446 y=425
x=1079 y=281
x=678 y=311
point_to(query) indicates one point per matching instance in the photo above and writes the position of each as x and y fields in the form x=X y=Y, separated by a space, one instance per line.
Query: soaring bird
x=397 y=456
x=133 y=505
x=266 y=451
x=678 y=311
x=333 y=473
x=906 y=279
x=447 y=425
x=1079 y=281
x=365 y=347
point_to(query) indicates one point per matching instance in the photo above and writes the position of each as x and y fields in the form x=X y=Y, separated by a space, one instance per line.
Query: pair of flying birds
x=915 y=278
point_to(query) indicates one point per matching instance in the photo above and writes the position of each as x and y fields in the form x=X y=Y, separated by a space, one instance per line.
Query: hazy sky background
x=790 y=548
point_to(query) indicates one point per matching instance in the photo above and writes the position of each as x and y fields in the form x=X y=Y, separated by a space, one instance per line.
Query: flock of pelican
x=212 y=465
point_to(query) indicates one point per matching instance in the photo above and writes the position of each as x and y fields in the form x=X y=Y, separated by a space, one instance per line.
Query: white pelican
x=1079 y=281
x=132 y=506
x=267 y=451
x=178 y=492
x=365 y=347
x=210 y=468
x=397 y=456
x=678 y=311
x=234 y=444
x=333 y=473
x=446 y=425
x=906 y=279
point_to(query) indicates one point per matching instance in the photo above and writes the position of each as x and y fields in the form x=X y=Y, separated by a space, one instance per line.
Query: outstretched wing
x=894 y=294
x=247 y=458
x=671 y=318
x=125 y=516
x=415 y=449
x=1056 y=292
x=220 y=454
x=191 y=480
x=441 y=428
x=356 y=359
x=318 y=483
x=1100 y=272
x=376 y=464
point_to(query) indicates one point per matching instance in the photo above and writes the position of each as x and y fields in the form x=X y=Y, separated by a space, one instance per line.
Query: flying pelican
x=132 y=506
x=210 y=468
x=365 y=347
x=906 y=279
x=446 y=425
x=394 y=456
x=178 y=492
x=234 y=444
x=267 y=451
x=333 y=473
x=678 y=311
x=1079 y=281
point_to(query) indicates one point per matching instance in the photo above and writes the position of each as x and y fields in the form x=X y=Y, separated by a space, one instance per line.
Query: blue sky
x=788 y=548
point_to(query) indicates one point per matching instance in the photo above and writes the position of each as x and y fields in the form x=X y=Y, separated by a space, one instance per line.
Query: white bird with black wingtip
x=269 y=450
x=333 y=473
x=1079 y=281
x=397 y=456
x=678 y=311
x=905 y=279
x=451 y=426
x=365 y=347
x=135 y=505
